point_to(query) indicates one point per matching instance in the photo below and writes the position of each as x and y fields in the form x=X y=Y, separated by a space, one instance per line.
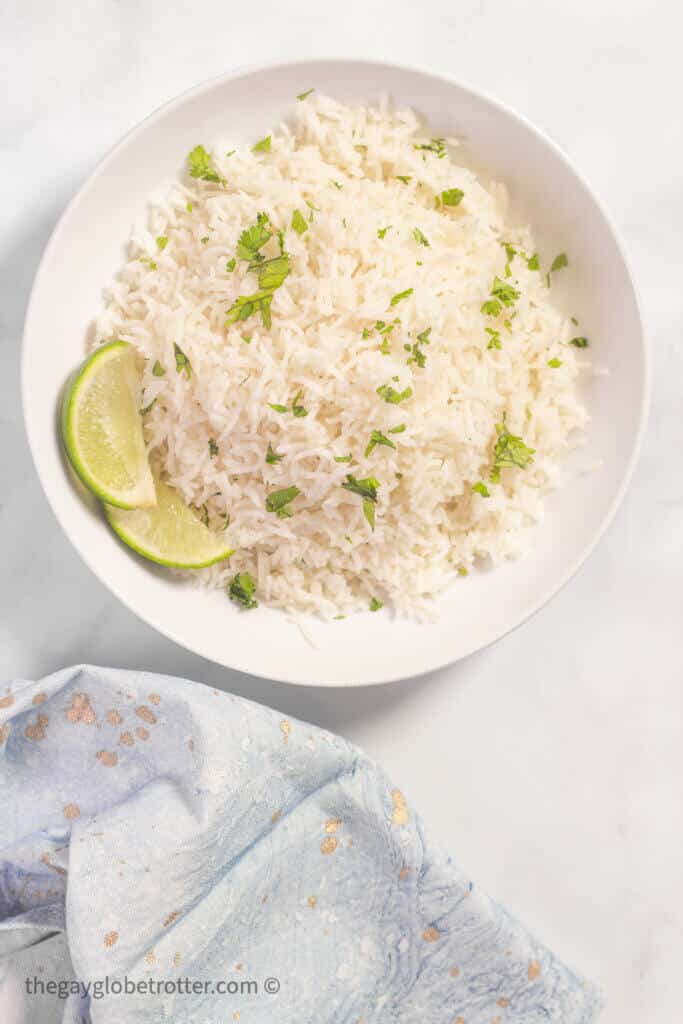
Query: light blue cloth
x=177 y=832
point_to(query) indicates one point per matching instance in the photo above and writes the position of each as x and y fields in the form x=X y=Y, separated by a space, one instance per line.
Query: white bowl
x=86 y=250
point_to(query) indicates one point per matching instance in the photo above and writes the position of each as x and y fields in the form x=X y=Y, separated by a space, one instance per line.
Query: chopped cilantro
x=452 y=196
x=494 y=338
x=182 y=363
x=481 y=488
x=298 y=409
x=204 y=239
x=263 y=146
x=202 y=167
x=575 y=321
x=382 y=231
x=342 y=458
x=242 y=590
x=398 y=430
x=230 y=265
x=579 y=342
x=244 y=305
x=555 y=363
x=437 y=146
x=509 y=451
x=149 y=261
x=375 y=604
x=299 y=222
x=271 y=273
x=162 y=242
x=367 y=489
x=405 y=178
x=213 y=447
x=143 y=412
x=336 y=184
x=558 y=263
x=278 y=408
x=272 y=456
x=392 y=396
x=400 y=295
x=533 y=262
x=189 y=207
x=505 y=293
x=491 y=307
x=277 y=501
x=303 y=95
x=462 y=571
x=253 y=239
x=246 y=338
x=420 y=238
x=158 y=369
x=366 y=333
x=378 y=438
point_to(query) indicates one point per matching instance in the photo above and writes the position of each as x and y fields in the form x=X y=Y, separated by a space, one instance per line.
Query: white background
x=551 y=764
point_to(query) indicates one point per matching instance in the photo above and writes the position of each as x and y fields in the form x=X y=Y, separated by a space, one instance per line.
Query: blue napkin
x=186 y=838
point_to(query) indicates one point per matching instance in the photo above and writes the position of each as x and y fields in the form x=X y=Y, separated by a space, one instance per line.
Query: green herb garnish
x=377 y=438
x=272 y=456
x=299 y=222
x=509 y=451
x=298 y=409
x=242 y=590
x=230 y=265
x=481 y=488
x=263 y=146
x=382 y=231
x=143 y=412
x=213 y=447
x=533 y=262
x=202 y=167
x=278 y=408
x=505 y=293
x=375 y=604
x=405 y=178
x=558 y=263
x=555 y=363
x=392 y=396
x=342 y=458
x=158 y=369
x=162 y=242
x=494 y=338
x=182 y=363
x=204 y=239
x=253 y=239
x=367 y=489
x=397 y=430
x=452 y=197
x=420 y=238
x=399 y=296
x=277 y=501
x=437 y=146
x=303 y=95
x=579 y=342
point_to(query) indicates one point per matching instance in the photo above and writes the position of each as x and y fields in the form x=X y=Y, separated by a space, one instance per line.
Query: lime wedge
x=170 y=533
x=102 y=427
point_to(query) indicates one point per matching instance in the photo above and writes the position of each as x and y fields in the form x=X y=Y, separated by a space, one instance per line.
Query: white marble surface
x=561 y=785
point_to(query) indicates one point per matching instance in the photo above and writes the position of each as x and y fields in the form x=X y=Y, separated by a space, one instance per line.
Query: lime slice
x=170 y=533
x=102 y=427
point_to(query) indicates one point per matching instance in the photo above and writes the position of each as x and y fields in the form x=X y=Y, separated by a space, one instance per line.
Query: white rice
x=430 y=526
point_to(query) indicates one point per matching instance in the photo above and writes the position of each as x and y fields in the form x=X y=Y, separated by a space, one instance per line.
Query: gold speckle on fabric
x=71 y=811
x=109 y=758
x=455 y=971
x=150 y=957
x=275 y=817
x=328 y=845
x=239 y=967
x=81 y=710
x=113 y=717
x=126 y=739
x=38 y=729
x=533 y=970
x=403 y=873
x=236 y=1015
x=146 y=714
x=332 y=825
x=431 y=934
x=53 y=867
x=171 y=918
x=39 y=698
x=4 y=733
x=176 y=960
x=110 y=939
x=503 y=1002
x=459 y=1020
x=399 y=808
x=6 y=702
x=154 y=698
x=285 y=729
x=142 y=733
x=312 y=902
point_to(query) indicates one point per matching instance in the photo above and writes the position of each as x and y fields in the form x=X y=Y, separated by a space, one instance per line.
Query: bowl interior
x=87 y=249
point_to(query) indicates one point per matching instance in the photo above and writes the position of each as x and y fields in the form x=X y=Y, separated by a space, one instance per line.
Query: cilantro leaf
x=263 y=146
x=405 y=178
x=533 y=262
x=392 y=396
x=378 y=438
x=298 y=409
x=399 y=296
x=277 y=501
x=162 y=242
x=555 y=363
x=278 y=408
x=579 y=342
x=437 y=146
x=494 y=337
x=143 y=412
x=242 y=590
x=201 y=166
x=271 y=273
x=420 y=238
x=299 y=222
x=509 y=451
x=272 y=456
x=244 y=305
x=452 y=196
x=559 y=262
x=375 y=604
x=342 y=458
x=367 y=489
x=158 y=369
x=303 y=95
x=397 y=430
x=182 y=363
x=505 y=293
x=481 y=488
x=382 y=231
x=254 y=238
x=491 y=307
x=213 y=447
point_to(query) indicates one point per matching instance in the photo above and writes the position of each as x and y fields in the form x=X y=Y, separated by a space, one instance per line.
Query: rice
x=209 y=429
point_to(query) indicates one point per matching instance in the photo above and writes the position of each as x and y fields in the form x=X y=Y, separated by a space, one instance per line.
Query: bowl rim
x=242 y=71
